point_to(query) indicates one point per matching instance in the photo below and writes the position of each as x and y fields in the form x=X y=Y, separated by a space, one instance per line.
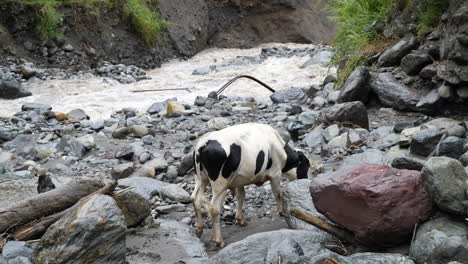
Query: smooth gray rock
x=331 y=132
x=362 y=258
x=121 y=132
x=322 y=58
x=10 y=88
x=439 y=241
x=139 y=130
x=315 y=139
x=424 y=142
x=391 y=93
x=347 y=113
x=159 y=164
x=19 y=260
x=150 y=188
x=430 y=102
x=288 y=95
x=371 y=156
x=76 y=115
x=185 y=165
x=452 y=147
x=393 y=55
x=125 y=152
x=35 y=107
x=295 y=245
x=170 y=242
x=13 y=249
x=121 y=171
x=464 y=159
x=295 y=195
x=134 y=207
x=92 y=233
x=413 y=63
x=445 y=179
x=356 y=87
x=408 y=163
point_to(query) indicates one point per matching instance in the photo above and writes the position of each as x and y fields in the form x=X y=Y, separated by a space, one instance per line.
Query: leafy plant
x=146 y=22
x=49 y=20
x=430 y=14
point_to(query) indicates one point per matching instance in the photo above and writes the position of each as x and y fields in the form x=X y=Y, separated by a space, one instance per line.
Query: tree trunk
x=47 y=203
x=37 y=229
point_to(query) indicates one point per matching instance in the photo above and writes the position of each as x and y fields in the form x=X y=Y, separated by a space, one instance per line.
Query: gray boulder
x=288 y=95
x=297 y=246
x=440 y=240
x=10 y=88
x=150 y=188
x=408 y=163
x=77 y=115
x=391 y=93
x=430 y=102
x=424 y=142
x=348 y=113
x=296 y=195
x=122 y=170
x=393 y=55
x=445 y=179
x=170 y=242
x=35 y=107
x=361 y=258
x=314 y=138
x=371 y=156
x=14 y=249
x=413 y=63
x=134 y=207
x=452 y=147
x=92 y=233
x=356 y=87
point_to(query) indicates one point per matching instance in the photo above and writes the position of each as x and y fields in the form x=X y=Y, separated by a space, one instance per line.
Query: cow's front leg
x=275 y=187
x=216 y=203
x=240 y=196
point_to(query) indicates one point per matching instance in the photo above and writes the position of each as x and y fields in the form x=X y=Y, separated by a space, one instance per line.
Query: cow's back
x=257 y=149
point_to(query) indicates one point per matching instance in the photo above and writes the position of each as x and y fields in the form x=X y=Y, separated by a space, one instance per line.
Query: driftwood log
x=325 y=226
x=47 y=203
x=37 y=229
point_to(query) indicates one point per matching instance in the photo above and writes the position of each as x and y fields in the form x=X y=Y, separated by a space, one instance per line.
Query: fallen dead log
x=325 y=226
x=47 y=203
x=36 y=230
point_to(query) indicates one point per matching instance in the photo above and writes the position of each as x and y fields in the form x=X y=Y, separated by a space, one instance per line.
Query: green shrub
x=430 y=14
x=146 y=22
x=49 y=21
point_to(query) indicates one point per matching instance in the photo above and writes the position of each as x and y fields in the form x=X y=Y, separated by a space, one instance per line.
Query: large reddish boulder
x=378 y=203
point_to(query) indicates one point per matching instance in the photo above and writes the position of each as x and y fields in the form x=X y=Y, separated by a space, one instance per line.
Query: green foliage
x=146 y=22
x=49 y=21
x=430 y=14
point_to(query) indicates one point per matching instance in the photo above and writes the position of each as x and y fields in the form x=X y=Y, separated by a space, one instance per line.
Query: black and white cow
x=237 y=156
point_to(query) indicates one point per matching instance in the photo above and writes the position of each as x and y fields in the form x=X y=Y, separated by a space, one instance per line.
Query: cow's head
x=297 y=164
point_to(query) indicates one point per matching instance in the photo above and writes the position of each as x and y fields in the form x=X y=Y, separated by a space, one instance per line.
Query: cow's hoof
x=241 y=222
x=220 y=244
x=198 y=230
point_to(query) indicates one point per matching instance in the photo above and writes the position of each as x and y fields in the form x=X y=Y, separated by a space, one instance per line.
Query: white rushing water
x=101 y=96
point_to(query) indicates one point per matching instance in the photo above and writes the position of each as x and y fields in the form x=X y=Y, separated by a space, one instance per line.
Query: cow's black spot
x=233 y=160
x=212 y=157
x=303 y=166
x=259 y=162
x=292 y=158
x=270 y=161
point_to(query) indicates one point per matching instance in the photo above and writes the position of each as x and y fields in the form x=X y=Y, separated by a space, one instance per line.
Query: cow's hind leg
x=198 y=199
x=217 y=201
x=240 y=196
x=275 y=187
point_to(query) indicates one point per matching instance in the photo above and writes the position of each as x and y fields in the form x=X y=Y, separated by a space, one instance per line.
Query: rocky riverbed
x=148 y=148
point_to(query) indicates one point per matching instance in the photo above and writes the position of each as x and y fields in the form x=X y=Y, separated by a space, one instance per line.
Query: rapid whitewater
x=101 y=96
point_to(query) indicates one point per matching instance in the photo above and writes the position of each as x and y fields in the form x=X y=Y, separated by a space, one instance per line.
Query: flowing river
x=101 y=96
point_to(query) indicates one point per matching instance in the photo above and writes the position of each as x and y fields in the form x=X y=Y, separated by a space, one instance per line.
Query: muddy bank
x=89 y=40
